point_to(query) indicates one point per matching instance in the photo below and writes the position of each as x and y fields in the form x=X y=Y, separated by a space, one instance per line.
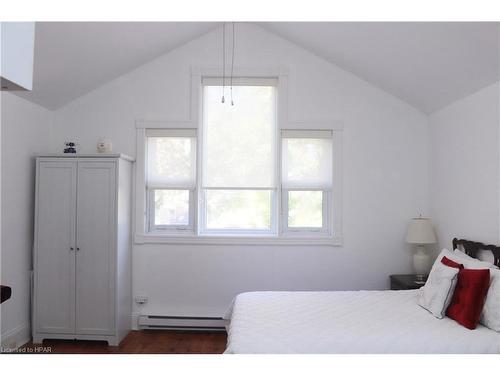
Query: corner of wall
x=15 y=338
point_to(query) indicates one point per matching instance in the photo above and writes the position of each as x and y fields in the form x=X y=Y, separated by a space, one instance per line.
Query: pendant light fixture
x=223 y=100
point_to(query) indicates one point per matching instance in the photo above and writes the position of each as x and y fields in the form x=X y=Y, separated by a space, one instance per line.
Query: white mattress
x=347 y=322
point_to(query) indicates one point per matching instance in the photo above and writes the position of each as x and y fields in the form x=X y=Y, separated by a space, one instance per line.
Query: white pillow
x=435 y=295
x=448 y=254
x=472 y=263
x=462 y=258
x=490 y=317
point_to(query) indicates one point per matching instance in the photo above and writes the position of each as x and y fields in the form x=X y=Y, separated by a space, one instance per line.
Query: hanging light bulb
x=223 y=60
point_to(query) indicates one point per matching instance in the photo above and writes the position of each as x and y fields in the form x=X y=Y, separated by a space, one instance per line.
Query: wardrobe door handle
x=77 y=249
x=72 y=248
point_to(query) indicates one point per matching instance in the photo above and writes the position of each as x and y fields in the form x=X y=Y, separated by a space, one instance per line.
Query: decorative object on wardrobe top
x=104 y=146
x=70 y=147
x=223 y=100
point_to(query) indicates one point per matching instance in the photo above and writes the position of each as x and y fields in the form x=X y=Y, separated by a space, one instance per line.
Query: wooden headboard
x=471 y=248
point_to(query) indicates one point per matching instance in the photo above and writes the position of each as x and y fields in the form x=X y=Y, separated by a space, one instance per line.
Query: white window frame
x=327 y=211
x=170 y=228
x=150 y=190
x=203 y=230
x=307 y=231
x=193 y=121
x=202 y=213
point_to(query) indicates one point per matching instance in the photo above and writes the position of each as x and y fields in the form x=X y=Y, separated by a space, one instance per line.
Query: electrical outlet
x=141 y=300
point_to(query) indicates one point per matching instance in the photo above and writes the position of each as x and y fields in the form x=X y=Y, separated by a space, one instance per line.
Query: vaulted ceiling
x=73 y=58
x=428 y=65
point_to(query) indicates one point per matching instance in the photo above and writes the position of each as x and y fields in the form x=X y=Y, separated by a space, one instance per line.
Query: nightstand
x=405 y=282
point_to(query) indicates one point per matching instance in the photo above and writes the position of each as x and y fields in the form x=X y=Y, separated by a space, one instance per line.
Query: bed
x=351 y=322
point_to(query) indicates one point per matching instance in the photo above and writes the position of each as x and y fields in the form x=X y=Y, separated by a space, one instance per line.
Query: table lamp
x=421 y=233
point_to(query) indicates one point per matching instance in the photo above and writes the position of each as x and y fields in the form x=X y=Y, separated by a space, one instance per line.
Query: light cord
x=232 y=67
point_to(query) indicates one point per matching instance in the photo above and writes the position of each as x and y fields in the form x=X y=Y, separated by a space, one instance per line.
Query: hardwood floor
x=139 y=342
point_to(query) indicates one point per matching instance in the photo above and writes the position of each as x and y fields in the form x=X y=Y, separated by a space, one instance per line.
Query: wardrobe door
x=96 y=242
x=54 y=254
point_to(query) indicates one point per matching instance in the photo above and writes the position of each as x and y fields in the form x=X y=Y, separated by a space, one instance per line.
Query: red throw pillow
x=468 y=300
x=451 y=263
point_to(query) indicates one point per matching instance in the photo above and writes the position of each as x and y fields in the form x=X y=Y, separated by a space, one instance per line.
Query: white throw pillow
x=448 y=254
x=490 y=317
x=435 y=295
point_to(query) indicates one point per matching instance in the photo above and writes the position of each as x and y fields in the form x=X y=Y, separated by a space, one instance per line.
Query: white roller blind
x=239 y=140
x=307 y=159
x=171 y=159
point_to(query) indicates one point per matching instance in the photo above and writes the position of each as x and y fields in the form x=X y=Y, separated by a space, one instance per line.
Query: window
x=239 y=159
x=234 y=177
x=306 y=180
x=171 y=179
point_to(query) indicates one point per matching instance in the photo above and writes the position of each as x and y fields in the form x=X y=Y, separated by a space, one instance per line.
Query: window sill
x=141 y=239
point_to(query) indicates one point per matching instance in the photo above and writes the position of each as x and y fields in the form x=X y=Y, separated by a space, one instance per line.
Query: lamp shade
x=421 y=231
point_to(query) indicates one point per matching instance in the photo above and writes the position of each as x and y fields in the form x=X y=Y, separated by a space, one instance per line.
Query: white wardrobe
x=82 y=248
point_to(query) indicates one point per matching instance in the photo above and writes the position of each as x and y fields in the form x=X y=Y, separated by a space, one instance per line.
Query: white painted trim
x=336 y=194
x=332 y=125
x=174 y=125
x=87 y=156
x=305 y=133
x=141 y=239
x=171 y=132
x=15 y=338
x=140 y=183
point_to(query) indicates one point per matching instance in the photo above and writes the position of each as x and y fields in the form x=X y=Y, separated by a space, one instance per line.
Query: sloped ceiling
x=73 y=58
x=428 y=65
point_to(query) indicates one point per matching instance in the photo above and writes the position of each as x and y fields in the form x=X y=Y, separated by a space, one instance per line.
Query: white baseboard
x=16 y=337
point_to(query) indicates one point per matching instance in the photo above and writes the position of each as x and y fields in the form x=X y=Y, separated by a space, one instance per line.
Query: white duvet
x=347 y=322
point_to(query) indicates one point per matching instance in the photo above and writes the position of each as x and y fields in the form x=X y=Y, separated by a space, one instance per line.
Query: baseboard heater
x=182 y=323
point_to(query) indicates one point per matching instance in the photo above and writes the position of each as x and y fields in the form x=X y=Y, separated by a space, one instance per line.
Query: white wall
x=465 y=168
x=25 y=131
x=385 y=180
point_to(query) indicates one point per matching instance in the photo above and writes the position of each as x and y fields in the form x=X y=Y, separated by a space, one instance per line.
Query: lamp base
x=421 y=262
x=420 y=279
